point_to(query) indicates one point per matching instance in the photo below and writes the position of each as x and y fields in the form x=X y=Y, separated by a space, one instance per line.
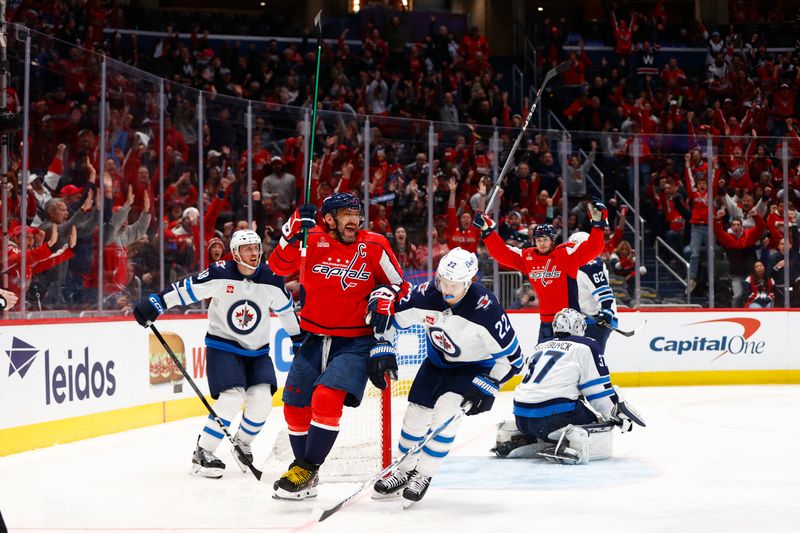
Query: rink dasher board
x=67 y=379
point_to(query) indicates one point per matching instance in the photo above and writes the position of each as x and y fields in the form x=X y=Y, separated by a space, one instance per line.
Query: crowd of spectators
x=743 y=101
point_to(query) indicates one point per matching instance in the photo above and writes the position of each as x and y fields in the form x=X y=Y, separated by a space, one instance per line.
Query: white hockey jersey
x=238 y=316
x=474 y=331
x=560 y=370
x=594 y=292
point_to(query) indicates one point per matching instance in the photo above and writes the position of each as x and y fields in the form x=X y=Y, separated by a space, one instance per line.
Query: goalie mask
x=243 y=238
x=569 y=322
x=454 y=274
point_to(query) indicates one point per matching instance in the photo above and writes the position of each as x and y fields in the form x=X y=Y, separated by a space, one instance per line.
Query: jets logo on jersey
x=545 y=275
x=483 y=303
x=443 y=342
x=244 y=316
x=346 y=272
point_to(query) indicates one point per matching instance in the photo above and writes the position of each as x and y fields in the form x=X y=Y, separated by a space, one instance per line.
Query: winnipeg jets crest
x=483 y=303
x=443 y=342
x=545 y=274
x=244 y=316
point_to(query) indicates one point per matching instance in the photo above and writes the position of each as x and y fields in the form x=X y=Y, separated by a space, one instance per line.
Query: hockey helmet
x=241 y=238
x=569 y=321
x=341 y=200
x=544 y=230
x=457 y=266
x=578 y=237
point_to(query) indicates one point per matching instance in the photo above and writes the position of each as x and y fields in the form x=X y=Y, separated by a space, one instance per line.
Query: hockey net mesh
x=365 y=431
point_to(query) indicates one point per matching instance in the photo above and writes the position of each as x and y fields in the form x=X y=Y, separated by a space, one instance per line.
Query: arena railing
x=120 y=111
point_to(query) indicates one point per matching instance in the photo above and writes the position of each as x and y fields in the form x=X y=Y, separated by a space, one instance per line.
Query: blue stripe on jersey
x=603 y=288
x=603 y=292
x=175 y=288
x=542 y=412
x=606 y=299
x=598 y=381
x=250 y=422
x=224 y=346
x=603 y=394
x=446 y=440
x=225 y=423
x=433 y=453
x=284 y=308
x=402 y=448
x=189 y=291
x=254 y=433
x=413 y=438
x=213 y=433
x=507 y=351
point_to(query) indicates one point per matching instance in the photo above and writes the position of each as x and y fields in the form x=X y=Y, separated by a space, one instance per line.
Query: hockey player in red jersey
x=551 y=269
x=343 y=267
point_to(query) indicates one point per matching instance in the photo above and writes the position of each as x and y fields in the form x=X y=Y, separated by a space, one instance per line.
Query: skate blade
x=211 y=473
x=408 y=503
x=557 y=459
x=281 y=494
x=390 y=496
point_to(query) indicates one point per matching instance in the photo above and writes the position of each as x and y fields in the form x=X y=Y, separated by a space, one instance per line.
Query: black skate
x=206 y=464
x=298 y=483
x=248 y=455
x=417 y=487
x=391 y=486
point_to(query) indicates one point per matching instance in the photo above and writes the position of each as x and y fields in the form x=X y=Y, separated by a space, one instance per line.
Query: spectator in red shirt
x=462 y=232
x=472 y=43
x=740 y=246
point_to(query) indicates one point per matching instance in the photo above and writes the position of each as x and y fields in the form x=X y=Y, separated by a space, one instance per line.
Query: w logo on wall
x=21 y=356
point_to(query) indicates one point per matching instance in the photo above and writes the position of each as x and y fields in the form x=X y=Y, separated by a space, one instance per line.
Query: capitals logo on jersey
x=545 y=275
x=244 y=316
x=345 y=271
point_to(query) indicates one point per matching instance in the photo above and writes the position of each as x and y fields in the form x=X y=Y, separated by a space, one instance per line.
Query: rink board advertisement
x=69 y=379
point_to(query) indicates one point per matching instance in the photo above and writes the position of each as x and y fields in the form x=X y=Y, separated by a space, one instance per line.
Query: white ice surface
x=711 y=459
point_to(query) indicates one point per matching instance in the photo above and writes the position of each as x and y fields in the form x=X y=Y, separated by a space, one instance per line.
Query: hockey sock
x=257 y=405
x=298 y=420
x=437 y=449
x=416 y=423
x=326 y=411
x=227 y=405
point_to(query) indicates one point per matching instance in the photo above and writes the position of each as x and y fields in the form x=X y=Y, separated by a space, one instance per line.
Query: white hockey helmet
x=578 y=237
x=242 y=238
x=569 y=321
x=457 y=266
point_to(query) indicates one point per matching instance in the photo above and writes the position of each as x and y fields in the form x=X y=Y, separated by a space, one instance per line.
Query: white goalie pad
x=512 y=444
x=580 y=444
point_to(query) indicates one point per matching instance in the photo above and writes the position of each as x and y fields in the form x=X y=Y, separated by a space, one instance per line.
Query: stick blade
x=328 y=512
x=562 y=68
x=317 y=21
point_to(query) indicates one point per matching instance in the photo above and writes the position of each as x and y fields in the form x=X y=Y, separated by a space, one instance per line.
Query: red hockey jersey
x=338 y=279
x=552 y=275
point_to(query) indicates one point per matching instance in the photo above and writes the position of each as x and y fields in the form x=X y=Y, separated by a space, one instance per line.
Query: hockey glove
x=382 y=360
x=598 y=212
x=605 y=316
x=305 y=217
x=481 y=395
x=624 y=415
x=484 y=223
x=147 y=311
x=380 y=308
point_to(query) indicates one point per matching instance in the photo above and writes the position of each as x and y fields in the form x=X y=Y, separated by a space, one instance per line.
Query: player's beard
x=347 y=232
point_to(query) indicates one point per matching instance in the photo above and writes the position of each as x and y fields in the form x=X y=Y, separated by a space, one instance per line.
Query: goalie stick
x=552 y=73
x=256 y=472
x=414 y=449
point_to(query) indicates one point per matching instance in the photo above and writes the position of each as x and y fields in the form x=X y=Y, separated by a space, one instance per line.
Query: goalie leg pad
x=511 y=443
x=257 y=406
x=416 y=422
x=437 y=449
x=581 y=444
x=229 y=403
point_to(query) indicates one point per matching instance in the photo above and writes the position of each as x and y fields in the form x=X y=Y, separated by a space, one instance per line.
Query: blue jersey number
x=554 y=356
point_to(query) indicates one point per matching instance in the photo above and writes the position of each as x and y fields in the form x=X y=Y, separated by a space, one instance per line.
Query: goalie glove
x=624 y=415
x=484 y=223
x=147 y=311
x=304 y=217
x=598 y=212
x=380 y=308
x=481 y=395
x=382 y=360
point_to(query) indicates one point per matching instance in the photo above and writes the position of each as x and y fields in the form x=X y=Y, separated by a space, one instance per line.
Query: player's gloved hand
x=624 y=423
x=484 y=223
x=625 y=415
x=304 y=217
x=147 y=311
x=380 y=308
x=382 y=360
x=605 y=316
x=297 y=342
x=598 y=212
x=481 y=395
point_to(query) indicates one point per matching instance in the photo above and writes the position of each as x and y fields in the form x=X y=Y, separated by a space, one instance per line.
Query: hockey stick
x=414 y=449
x=605 y=324
x=552 y=73
x=256 y=472
x=310 y=155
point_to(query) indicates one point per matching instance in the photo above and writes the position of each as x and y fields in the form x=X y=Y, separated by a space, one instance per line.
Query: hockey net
x=364 y=444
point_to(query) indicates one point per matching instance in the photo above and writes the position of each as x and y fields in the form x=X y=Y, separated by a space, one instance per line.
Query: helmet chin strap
x=241 y=262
